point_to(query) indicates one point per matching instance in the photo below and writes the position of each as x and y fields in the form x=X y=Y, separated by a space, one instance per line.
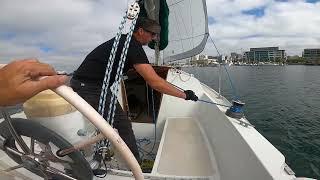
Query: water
x=283 y=102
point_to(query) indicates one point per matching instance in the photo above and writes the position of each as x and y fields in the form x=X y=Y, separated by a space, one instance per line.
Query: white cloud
x=291 y=25
x=72 y=28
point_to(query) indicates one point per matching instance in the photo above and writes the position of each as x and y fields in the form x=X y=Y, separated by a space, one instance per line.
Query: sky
x=67 y=30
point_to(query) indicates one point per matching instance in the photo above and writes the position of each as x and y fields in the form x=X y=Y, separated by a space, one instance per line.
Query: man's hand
x=20 y=81
x=190 y=95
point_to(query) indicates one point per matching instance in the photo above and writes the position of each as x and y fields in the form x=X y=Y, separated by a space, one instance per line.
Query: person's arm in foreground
x=161 y=85
x=19 y=80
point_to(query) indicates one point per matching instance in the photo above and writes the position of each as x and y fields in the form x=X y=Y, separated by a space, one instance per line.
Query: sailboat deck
x=183 y=150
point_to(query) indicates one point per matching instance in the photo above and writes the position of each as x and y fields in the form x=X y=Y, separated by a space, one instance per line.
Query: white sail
x=188 y=29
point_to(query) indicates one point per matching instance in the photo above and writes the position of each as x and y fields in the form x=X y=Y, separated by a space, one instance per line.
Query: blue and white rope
x=106 y=79
x=120 y=70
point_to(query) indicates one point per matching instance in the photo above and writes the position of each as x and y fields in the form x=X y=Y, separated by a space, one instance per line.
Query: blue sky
x=66 y=30
x=257 y=12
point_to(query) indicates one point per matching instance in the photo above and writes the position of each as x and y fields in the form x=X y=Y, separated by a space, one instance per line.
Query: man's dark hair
x=148 y=25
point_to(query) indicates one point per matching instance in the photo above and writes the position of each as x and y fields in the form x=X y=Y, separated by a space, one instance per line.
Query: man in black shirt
x=88 y=78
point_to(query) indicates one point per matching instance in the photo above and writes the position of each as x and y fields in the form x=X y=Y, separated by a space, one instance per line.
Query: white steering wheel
x=96 y=119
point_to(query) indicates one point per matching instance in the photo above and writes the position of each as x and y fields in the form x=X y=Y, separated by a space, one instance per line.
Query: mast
x=157 y=54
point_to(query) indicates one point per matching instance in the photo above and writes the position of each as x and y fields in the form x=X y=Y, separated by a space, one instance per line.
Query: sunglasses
x=152 y=33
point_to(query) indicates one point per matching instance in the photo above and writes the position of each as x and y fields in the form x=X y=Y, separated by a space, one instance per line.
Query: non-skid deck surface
x=184 y=152
x=19 y=174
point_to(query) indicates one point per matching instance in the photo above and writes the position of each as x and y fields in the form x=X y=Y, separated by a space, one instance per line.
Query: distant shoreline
x=303 y=64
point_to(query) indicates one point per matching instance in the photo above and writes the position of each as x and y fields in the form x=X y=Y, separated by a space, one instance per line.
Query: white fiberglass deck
x=183 y=150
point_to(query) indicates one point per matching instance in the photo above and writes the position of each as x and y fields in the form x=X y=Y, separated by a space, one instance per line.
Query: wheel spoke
x=32 y=146
x=22 y=144
x=39 y=155
x=48 y=154
x=14 y=151
x=15 y=135
x=58 y=172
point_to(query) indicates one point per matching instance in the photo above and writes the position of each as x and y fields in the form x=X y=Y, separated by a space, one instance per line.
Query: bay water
x=282 y=102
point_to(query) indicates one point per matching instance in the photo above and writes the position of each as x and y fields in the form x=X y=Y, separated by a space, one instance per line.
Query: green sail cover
x=164 y=23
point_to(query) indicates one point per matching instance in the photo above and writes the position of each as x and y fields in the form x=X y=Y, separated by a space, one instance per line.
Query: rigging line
x=213 y=103
x=231 y=84
x=201 y=99
x=155 y=123
x=153 y=117
x=214 y=45
x=179 y=74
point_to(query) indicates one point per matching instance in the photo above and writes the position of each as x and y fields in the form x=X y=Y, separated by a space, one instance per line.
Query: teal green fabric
x=143 y=12
x=164 y=23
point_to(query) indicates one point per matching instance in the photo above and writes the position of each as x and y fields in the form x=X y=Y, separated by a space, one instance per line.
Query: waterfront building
x=311 y=56
x=203 y=60
x=265 y=54
x=235 y=57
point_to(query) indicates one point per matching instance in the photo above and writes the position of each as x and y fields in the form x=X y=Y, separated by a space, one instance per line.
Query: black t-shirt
x=92 y=69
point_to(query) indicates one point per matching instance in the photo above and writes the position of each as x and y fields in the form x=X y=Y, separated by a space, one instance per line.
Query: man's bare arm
x=156 y=82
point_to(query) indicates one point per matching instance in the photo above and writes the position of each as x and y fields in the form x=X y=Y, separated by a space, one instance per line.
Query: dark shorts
x=91 y=93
